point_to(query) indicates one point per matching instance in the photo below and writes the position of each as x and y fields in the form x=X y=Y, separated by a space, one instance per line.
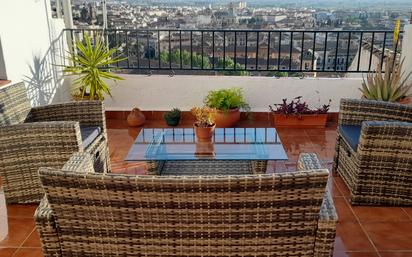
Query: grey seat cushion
x=351 y=134
x=89 y=134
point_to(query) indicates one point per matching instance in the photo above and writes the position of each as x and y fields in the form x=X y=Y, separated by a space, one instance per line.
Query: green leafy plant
x=298 y=107
x=172 y=117
x=92 y=63
x=390 y=85
x=227 y=99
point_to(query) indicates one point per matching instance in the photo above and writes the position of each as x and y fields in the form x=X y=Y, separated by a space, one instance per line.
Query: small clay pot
x=204 y=134
x=136 y=118
x=405 y=100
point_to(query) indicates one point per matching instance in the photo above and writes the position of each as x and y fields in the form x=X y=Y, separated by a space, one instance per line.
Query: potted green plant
x=297 y=114
x=92 y=62
x=228 y=103
x=172 y=117
x=390 y=85
x=204 y=125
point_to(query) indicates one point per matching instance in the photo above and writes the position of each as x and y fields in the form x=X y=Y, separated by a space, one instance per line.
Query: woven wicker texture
x=29 y=139
x=379 y=171
x=243 y=215
x=326 y=232
x=355 y=111
x=14 y=105
x=206 y=167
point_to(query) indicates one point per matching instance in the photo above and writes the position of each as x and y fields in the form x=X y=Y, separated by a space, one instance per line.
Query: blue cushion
x=89 y=134
x=351 y=134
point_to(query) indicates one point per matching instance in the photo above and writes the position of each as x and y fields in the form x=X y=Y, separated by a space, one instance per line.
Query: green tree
x=196 y=59
x=164 y=57
x=229 y=66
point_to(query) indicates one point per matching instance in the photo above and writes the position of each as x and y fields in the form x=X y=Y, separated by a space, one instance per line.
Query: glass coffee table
x=232 y=151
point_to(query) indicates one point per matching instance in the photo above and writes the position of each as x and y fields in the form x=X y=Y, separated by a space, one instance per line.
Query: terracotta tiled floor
x=361 y=232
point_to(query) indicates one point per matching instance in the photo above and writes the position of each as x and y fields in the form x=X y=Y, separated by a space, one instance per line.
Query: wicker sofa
x=89 y=214
x=374 y=151
x=31 y=137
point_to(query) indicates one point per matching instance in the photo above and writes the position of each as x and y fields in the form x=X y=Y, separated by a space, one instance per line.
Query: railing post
x=406 y=54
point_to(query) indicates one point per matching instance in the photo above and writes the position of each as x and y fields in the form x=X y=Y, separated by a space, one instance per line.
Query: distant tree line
x=196 y=61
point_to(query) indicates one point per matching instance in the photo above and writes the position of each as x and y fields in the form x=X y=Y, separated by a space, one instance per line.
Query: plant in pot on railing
x=228 y=103
x=205 y=123
x=389 y=85
x=297 y=114
x=93 y=63
x=172 y=117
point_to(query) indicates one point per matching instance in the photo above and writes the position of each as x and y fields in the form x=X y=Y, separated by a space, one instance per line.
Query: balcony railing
x=241 y=52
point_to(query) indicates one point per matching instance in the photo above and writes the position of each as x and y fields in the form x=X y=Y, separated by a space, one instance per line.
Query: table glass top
x=227 y=144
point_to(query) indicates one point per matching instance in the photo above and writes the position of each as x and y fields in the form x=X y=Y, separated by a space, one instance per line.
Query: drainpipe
x=68 y=23
x=105 y=37
x=104 y=14
x=68 y=16
x=58 y=9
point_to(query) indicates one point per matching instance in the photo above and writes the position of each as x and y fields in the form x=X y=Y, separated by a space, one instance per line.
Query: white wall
x=163 y=92
x=30 y=41
x=407 y=50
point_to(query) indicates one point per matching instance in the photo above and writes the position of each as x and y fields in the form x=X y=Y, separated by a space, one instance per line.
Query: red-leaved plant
x=297 y=107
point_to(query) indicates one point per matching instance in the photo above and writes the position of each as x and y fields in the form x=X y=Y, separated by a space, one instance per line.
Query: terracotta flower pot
x=135 y=118
x=302 y=121
x=406 y=100
x=227 y=119
x=204 y=134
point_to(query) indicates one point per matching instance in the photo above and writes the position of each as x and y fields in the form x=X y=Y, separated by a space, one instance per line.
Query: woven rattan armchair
x=374 y=151
x=89 y=214
x=33 y=137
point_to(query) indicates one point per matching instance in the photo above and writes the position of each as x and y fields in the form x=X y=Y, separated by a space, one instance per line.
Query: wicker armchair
x=44 y=136
x=89 y=214
x=374 y=151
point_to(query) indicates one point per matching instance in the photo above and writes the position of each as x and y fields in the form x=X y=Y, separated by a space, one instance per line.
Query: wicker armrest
x=326 y=232
x=388 y=139
x=308 y=161
x=63 y=134
x=80 y=162
x=89 y=113
x=355 y=111
x=46 y=227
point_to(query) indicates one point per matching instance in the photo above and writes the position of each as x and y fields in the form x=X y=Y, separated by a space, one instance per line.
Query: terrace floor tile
x=361 y=232
x=390 y=235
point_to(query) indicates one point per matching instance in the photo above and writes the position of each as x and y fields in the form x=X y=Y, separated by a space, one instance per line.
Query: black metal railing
x=244 y=51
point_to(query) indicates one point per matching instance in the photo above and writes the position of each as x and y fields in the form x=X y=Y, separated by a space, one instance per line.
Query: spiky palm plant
x=390 y=85
x=92 y=63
